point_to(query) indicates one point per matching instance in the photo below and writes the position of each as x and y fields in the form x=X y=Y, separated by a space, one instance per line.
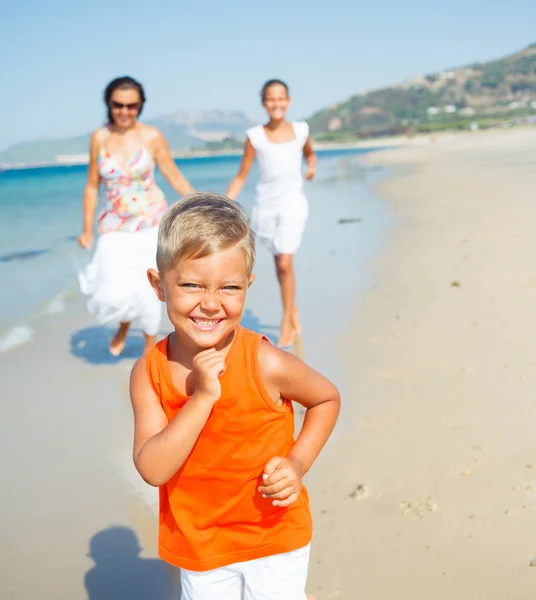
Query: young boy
x=213 y=418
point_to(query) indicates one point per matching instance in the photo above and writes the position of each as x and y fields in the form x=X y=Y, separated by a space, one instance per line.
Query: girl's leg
x=117 y=345
x=285 y=273
x=286 y=241
x=150 y=341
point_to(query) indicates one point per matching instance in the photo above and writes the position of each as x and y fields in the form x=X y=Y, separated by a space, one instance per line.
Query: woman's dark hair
x=270 y=83
x=122 y=83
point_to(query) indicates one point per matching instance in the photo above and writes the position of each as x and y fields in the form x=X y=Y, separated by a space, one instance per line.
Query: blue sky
x=58 y=56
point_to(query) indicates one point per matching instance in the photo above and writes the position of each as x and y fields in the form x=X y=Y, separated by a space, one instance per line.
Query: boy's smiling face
x=205 y=297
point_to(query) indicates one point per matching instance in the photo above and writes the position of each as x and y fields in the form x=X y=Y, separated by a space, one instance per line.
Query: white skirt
x=116 y=280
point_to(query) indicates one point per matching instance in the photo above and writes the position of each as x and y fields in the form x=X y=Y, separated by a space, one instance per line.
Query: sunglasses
x=119 y=105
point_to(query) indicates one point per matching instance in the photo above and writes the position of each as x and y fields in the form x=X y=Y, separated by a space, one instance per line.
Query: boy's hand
x=209 y=366
x=282 y=481
x=310 y=173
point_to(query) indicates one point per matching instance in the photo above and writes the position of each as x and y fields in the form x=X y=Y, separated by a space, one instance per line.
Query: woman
x=123 y=155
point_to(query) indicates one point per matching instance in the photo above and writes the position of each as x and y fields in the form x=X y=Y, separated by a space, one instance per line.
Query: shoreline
x=23 y=319
x=177 y=155
x=370 y=144
x=67 y=423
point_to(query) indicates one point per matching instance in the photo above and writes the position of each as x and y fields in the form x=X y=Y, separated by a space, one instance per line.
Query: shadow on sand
x=119 y=572
x=91 y=343
x=251 y=321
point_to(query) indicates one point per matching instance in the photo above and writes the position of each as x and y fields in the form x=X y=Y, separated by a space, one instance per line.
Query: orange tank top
x=211 y=512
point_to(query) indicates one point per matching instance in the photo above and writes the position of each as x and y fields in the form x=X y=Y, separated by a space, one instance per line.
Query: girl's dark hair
x=270 y=83
x=122 y=83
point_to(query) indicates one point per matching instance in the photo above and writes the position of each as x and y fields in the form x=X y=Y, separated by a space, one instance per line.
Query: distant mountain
x=43 y=151
x=183 y=129
x=191 y=128
x=483 y=91
x=487 y=92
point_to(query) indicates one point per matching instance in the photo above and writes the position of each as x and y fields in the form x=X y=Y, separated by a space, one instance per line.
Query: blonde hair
x=200 y=225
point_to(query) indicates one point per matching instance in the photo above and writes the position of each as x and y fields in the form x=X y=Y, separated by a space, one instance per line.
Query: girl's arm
x=91 y=193
x=236 y=185
x=310 y=159
x=164 y=161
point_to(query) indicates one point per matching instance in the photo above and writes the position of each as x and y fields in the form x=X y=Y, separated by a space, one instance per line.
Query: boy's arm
x=285 y=374
x=162 y=447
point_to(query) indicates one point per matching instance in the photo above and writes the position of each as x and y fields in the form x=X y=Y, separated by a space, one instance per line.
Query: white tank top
x=280 y=165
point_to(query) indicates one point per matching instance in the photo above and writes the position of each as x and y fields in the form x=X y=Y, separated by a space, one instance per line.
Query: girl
x=123 y=155
x=280 y=211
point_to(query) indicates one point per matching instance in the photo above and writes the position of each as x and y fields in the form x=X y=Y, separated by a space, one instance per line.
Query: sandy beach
x=426 y=491
x=434 y=492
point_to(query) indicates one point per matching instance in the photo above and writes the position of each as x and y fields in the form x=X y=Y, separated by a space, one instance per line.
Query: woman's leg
x=117 y=345
x=285 y=273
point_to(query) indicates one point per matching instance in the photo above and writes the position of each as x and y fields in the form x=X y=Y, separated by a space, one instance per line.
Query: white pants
x=280 y=226
x=278 y=577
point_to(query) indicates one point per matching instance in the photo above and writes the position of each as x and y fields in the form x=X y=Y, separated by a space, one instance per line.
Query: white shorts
x=281 y=227
x=278 y=577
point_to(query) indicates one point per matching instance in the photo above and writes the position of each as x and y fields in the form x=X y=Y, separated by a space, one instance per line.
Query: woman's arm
x=310 y=159
x=236 y=185
x=91 y=192
x=164 y=161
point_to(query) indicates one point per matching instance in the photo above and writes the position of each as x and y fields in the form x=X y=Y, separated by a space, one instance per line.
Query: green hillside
x=486 y=92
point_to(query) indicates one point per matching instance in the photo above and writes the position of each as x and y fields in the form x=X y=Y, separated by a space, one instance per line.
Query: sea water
x=41 y=216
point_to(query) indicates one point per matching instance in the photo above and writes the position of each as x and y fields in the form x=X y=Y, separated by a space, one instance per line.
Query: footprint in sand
x=418 y=509
x=360 y=492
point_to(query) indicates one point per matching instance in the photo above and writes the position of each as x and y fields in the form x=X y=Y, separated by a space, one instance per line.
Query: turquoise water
x=41 y=215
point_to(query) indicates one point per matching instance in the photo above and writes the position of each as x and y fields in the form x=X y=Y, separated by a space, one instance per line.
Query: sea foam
x=16 y=336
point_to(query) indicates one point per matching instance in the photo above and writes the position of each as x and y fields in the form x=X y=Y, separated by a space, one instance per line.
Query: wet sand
x=77 y=520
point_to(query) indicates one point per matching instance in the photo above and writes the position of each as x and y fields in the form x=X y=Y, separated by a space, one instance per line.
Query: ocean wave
x=56 y=305
x=144 y=493
x=16 y=336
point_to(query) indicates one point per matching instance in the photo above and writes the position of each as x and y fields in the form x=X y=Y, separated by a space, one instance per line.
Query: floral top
x=132 y=200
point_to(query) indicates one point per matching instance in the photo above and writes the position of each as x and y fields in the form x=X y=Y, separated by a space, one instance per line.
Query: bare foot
x=286 y=338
